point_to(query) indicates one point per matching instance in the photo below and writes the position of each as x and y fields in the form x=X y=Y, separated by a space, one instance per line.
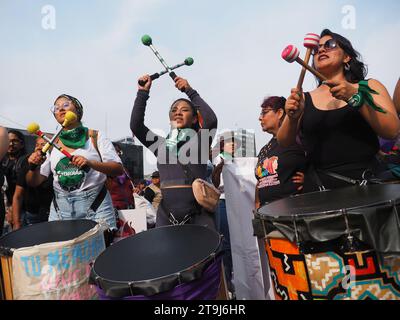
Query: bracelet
x=364 y=96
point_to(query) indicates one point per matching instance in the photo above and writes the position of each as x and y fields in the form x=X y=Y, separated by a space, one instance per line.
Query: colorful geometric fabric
x=331 y=275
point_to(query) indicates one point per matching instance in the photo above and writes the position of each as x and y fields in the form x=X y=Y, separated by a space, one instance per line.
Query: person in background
x=152 y=193
x=228 y=144
x=279 y=171
x=31 y=205
x=11 y=165
x=121 y=187
x=139 y=188
x=3 y=151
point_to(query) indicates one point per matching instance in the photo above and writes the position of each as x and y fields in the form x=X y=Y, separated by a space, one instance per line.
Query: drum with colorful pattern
x=342 y=244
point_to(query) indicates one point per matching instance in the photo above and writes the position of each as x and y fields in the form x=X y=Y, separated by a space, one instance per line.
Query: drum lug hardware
x=349 y=245
x=296 y=233
x=131 y=284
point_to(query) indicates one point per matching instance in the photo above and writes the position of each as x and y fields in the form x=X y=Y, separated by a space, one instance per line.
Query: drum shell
x=348 y=250
x=55 y=236
x=184 y=283
x=330 y=275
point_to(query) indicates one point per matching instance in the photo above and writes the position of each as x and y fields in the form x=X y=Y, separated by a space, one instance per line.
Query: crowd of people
x=319 y=141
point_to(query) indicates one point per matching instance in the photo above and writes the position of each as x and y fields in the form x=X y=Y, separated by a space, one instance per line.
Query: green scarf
x=226 y=156
x=75 y=138
x=364 y=96
x=177 y=138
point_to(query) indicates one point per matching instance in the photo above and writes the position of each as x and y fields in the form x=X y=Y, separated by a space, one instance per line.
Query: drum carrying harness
x=195 y=210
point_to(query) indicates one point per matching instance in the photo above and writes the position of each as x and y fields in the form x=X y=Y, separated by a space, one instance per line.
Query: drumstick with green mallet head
x=188 y=62
x=148 y=42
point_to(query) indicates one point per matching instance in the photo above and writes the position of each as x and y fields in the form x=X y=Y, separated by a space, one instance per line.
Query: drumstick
x=34 y=128
x=147 y=41
x=291 y=54
x=70 y=117
x=188 y=62
x=311 y=41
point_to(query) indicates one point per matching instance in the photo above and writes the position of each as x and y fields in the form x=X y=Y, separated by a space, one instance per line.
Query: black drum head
x=45 y=232
x=156 y=253
x=331 y=201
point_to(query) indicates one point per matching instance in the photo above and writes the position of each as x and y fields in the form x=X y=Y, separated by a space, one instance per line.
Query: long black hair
x=358 y=70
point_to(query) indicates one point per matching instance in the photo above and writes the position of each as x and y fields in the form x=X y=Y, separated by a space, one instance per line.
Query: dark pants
x=223 y=228
x=31 y=218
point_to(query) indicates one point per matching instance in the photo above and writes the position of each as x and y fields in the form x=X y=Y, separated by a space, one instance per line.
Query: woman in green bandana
x=339 y=122
x=182 y=156
x=79 y=184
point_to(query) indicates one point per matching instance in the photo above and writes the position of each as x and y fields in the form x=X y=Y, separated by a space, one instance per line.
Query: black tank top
x=337 y=140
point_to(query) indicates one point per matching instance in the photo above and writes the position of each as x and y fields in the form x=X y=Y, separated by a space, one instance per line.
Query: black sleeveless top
x=338 y=140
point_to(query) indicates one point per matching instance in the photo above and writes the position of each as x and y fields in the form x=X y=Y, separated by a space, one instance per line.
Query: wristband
x=364 y=96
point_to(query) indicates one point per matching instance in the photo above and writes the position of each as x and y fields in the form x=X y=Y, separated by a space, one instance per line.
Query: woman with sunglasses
x=279 y=171
x=182 y=156
x=340 y=121
x=79 y=184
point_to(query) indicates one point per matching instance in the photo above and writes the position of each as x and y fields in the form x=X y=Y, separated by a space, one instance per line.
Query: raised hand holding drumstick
x=145 y=82
x=182 y=84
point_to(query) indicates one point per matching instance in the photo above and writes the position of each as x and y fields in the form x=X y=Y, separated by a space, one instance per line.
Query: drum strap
x=96 y=203
x=344 y=178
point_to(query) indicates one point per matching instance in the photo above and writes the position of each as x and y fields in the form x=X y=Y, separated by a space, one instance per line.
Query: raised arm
x=396 y=97
x=294 y=108
x=384 y=121
x=386 y=125
x=209 y=117
x=143 y=133
x=3 y=142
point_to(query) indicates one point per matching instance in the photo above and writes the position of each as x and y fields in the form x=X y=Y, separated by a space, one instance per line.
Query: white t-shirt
x=70 y=179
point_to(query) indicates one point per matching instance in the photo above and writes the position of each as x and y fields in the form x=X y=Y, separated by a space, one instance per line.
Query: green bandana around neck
x=177 y=138
x=226 y=156
x=75 y=138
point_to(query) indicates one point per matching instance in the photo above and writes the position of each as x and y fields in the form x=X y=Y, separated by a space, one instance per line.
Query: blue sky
x=95 y=54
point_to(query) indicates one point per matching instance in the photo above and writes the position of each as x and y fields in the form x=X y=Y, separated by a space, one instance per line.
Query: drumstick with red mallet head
x=34 y=128
x=311 y=42
x=292 y=54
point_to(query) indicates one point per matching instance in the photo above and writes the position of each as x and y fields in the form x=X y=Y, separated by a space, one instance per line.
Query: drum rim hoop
x=140 y=289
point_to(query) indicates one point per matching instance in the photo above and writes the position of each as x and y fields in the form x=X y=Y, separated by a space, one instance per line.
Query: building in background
x=248 y=143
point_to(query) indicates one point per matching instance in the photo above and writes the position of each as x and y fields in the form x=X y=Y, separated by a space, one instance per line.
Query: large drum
x=50 y=261
x=341 y=244
x=166 y=263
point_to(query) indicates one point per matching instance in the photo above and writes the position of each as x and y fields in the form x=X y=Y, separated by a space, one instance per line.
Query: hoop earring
x=347 y=66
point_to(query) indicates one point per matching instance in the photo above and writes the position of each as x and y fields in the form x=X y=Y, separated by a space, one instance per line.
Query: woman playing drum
x=340 y=138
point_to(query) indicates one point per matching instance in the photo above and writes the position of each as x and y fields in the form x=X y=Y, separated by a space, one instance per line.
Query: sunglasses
x=329 y=45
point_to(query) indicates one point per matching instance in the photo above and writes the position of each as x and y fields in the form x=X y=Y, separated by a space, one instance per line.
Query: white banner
x=251 y=281
x=58 y=270
x=130 y=222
